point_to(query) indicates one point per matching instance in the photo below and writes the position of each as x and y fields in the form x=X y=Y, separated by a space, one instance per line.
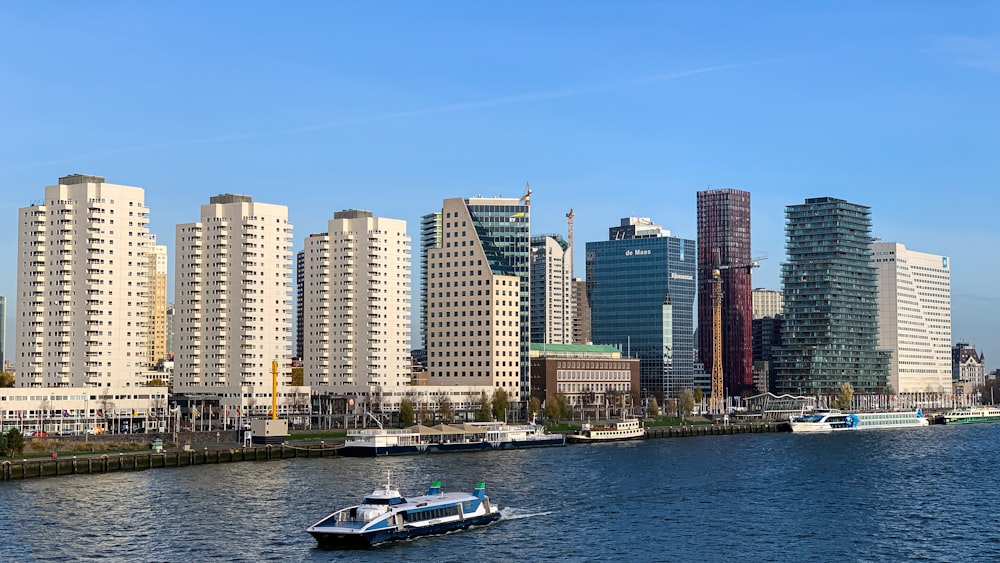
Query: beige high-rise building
x=475 y=298
x=156 y=317
x=232 y=303
x=82 y=275
x=766 y=303
x=356 y=313
x=914 y=317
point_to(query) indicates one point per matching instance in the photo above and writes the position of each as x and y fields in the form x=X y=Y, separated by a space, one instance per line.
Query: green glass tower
x=830 y=334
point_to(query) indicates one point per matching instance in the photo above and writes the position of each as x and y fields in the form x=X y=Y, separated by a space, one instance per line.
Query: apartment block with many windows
x=356 y=311
x=232 y=302
x=83 y=282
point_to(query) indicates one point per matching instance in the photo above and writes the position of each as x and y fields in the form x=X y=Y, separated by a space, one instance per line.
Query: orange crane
x=526 y=198
x=718 y=401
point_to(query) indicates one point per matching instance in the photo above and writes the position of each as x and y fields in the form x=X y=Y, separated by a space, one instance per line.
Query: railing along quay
x=138 y=461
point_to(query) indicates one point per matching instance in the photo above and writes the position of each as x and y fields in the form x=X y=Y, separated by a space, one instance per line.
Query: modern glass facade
x=641 y=293
x=724 y=240
x=830 y=331
x=300 y=295
x=430 y=237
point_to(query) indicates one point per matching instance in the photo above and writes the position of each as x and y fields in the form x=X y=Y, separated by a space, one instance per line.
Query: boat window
x=372 y=500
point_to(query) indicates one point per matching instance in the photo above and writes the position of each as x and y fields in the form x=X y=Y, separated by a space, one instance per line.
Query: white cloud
x=974 y=52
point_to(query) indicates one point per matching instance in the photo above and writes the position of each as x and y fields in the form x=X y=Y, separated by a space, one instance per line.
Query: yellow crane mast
x=717 y=403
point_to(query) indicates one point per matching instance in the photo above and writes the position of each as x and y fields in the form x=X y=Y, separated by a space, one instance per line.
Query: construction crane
x=569 y=235
x=718 y=402
x=526 y=198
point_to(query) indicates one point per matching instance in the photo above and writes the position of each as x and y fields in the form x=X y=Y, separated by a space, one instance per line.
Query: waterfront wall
x=714 y=429
x=75 y=465
x=201 y=448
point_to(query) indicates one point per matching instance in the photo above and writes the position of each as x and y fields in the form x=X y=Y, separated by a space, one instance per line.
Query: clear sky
x=611 y=108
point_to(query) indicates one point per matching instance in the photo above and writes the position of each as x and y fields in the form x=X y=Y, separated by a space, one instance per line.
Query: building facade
x=766 y=335
x=430 y=237
x=300 y=296
x=83 y=283
x=157 y=314
x=641 y=292
x=581 y=313
x=830 y=330
x=968 y=366
x=724 y=240
x=767 y=303
x=233 y=303
x=357 y=309
x=914 y=317
x=478 y=296
x=551 y=290
x=3 y=333
x=590 y=377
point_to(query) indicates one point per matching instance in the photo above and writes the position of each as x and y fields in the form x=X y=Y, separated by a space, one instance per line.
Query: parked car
x=39 y=434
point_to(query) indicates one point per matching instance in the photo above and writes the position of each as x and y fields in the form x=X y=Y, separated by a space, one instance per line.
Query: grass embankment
x=675 y=421
x=43 y=447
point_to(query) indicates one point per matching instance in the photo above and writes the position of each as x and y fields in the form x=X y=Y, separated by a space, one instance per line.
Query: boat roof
x=445 y=429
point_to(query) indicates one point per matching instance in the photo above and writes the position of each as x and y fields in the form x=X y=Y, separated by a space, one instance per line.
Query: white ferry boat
x=384 y=516
x=835 y=420
x=445 y=438
x=972 y=415
x=630 y=429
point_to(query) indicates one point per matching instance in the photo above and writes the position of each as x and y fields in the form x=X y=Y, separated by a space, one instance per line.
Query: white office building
x=356 y=309
x=82 y=283
x=552 y=300
x=914 y=317
x=233 y=304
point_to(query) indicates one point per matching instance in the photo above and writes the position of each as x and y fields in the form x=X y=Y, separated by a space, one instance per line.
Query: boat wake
x=517 y=513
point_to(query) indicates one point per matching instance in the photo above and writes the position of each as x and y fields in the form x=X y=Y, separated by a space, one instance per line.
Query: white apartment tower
x=156 y=317
x=232 y=301
x=475 y=296
x=552 y=300
x=356 y=307
x=914 y=316
x=82 y=301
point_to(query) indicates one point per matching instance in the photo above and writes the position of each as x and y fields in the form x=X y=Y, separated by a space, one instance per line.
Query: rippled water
x=904 y=495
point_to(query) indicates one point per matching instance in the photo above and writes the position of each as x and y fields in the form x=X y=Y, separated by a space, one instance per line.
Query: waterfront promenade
x=203 y=448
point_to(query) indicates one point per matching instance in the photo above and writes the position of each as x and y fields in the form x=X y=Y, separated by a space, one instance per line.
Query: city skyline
x=614 y=114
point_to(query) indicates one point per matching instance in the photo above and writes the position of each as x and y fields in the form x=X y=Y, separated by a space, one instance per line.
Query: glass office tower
x=641 y=288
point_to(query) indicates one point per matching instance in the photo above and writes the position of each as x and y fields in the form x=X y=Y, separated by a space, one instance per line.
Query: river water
x=925 y=494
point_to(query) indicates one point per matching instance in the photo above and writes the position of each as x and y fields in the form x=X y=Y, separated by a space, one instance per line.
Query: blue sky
x=611 y=108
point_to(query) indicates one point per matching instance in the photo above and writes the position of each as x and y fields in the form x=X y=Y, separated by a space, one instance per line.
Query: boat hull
x=524 y=444
x=972 y=420
x=365 y=540
x=853 y=422
x=575 y=439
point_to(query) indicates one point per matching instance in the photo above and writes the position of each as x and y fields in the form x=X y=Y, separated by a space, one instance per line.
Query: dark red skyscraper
x=724 y=240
